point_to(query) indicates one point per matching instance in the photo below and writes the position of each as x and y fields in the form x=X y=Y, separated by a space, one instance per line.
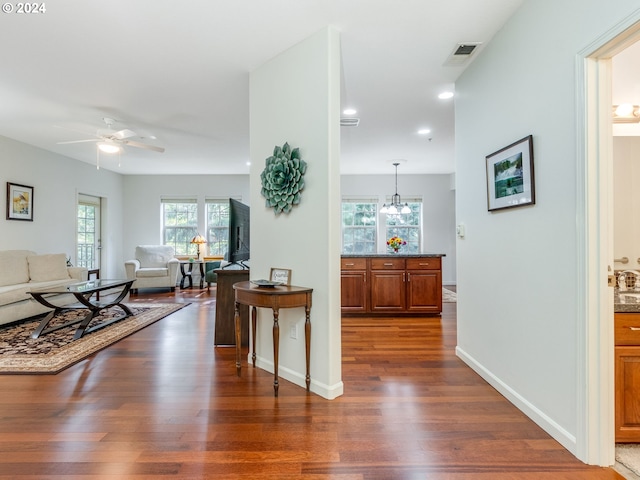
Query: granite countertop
x=368 y=255
x=627 y=301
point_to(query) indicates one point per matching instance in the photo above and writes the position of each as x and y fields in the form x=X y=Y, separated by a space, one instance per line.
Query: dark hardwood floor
x=165 y=403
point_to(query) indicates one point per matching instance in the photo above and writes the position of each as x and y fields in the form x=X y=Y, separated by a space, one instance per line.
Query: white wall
x=57 y=180
x=142 y=194
x=626 y=197
x=438 y=219
x=517 y=268
x=295 y=97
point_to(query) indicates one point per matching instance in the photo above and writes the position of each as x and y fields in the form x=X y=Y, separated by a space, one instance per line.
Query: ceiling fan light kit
x=108 y=147
x=110 y=141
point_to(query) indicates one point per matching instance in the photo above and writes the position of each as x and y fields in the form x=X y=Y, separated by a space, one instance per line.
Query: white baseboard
x=329 y=392
x=565 y=438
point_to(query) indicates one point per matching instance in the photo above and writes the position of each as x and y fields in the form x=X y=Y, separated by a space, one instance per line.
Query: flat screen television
x=239 y=220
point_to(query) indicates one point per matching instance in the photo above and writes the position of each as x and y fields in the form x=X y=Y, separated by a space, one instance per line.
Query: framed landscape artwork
x=510 y=176
x=19 y=202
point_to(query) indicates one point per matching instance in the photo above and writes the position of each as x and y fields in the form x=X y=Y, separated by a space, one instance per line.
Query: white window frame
x=347 y=230
x=189 y=230
x=217 y=235
x=411 y=233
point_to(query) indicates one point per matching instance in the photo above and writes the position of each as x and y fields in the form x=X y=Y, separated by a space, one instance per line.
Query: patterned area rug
x=448 y=296
x=55 y=351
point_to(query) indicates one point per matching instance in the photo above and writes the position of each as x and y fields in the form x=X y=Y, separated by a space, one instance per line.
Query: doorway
x=88 y=232
x=596 y=443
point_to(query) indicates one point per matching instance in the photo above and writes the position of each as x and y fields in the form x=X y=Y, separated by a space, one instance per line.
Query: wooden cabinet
x=354 y=287
x=397 y=285
x=224 y=329
x=627 y=377
x=387 y=285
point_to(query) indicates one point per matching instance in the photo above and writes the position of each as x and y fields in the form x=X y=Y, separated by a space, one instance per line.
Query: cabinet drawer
x=430 y=263
x=387 y=264
x=627 y=329
x=353 y=263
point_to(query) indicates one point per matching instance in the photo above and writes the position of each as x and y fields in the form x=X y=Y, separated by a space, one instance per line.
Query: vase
x=395 y=250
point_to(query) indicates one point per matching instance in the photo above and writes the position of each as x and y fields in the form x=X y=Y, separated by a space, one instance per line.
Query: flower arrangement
x=396 y=242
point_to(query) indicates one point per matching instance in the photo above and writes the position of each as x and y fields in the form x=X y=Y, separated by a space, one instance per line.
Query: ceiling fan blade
x=143 y=145
x=80 y=141
x=125 y=133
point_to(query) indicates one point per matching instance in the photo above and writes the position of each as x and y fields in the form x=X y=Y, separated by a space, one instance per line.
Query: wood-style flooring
x=163 y=403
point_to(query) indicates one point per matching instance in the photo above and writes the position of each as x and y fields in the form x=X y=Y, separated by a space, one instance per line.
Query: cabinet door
x=353 y=291
x=424 y=291
x=627 y=396
x=387 y=291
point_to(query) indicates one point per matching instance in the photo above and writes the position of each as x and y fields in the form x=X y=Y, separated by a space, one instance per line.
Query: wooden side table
x=283 y=296
x=188 y=274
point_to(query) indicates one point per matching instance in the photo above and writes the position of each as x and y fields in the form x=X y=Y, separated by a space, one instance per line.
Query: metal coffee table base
x=85 y=303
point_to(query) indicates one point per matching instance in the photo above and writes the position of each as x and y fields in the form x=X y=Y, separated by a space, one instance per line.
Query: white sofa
x=24 y=270
x=155 y=266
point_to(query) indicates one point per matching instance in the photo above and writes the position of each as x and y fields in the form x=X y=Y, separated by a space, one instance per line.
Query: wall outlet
x=293 y=331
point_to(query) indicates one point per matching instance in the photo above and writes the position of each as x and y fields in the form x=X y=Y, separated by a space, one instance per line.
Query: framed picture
x=19 y=202
x=281 y=275
x=510 y=176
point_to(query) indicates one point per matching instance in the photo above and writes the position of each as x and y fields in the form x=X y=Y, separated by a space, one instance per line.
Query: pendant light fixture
x=396 y=206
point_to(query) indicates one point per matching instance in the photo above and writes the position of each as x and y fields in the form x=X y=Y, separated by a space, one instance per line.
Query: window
x=359 y=226
x=217 y=226
x=180 y=225
x=407 y=226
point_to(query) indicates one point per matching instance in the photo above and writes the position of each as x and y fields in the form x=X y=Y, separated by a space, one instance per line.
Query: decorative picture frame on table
x=510 y=180
x=280 y=275
x=19 y=202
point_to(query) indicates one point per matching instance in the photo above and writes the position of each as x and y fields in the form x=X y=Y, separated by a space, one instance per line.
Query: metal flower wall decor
x=283 y=179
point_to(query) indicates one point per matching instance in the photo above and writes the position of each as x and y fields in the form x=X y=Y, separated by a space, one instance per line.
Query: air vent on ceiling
x=349 y=122
x=462 y=52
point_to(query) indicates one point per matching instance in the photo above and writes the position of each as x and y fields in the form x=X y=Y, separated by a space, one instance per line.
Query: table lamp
x=198 y=240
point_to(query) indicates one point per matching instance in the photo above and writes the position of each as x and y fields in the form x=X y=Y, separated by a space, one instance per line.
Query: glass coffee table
x=83 y=292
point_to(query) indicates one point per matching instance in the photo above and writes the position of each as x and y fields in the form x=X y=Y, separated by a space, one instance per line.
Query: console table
x=282 y=296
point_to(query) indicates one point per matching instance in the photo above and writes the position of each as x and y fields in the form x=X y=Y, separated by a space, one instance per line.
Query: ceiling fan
x=111 y=141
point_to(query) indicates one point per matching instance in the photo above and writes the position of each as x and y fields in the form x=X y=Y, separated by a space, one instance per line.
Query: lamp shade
x=199 y=239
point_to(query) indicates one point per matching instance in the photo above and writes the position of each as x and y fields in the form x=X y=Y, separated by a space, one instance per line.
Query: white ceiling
x=179 y=71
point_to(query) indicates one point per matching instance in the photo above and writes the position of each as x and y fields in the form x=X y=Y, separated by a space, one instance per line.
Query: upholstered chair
x=154 y=266
x=210 y=275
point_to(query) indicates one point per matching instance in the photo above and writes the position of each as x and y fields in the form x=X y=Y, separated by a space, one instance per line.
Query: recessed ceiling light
x=248 y=164
x=349 y=111
x=445 y=95
x=424 y=131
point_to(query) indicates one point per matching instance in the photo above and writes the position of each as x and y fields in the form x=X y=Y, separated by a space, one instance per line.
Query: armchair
x=154 y=266
x=210 y=276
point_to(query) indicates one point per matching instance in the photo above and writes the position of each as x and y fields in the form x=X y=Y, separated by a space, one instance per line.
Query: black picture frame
x=19 y=202
x=510 y=179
